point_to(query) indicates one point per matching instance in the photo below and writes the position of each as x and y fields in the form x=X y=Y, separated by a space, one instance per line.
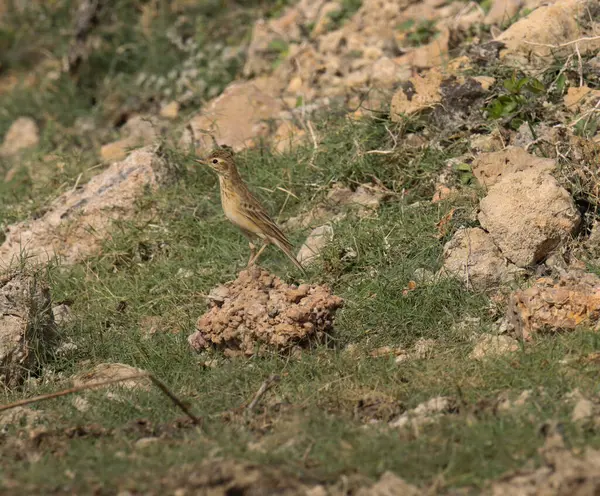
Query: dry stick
x=65 y=392
x=264 y=387
x=568 y=43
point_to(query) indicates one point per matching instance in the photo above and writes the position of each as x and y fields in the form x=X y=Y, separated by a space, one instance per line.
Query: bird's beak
x=201 y=161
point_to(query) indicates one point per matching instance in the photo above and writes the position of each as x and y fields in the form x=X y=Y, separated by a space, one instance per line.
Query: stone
x=489 y=168
x=528 y=214
x=581 y=98
x=21 y=135
x=583 y=410
x=62 y=314
x=318 y=239
x=170 y=110
x=491 y=346
x=390 y=484
x=504 y=11
x=260 y=312
x=288 y=137
x=27 y=331
x=418 y=94
x=113 y=372
x=79 y=221
x=472 y=257
x=139 y=131
x=237 y=118
x=424 y=413
x=555 y=305
x=534 y=40
x=385 y=73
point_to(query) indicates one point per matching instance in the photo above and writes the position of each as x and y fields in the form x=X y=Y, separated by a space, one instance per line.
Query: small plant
x=279 y=49
x=518 y=104
x=338 y=17
x=586 y=128
x=422 y=33
x=465 y=173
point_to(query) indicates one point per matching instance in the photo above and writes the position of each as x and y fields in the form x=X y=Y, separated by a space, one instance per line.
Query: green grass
x=161 y=266
x=322 y=420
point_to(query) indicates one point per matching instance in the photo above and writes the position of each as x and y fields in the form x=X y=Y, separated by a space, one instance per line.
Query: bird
x=243 y=209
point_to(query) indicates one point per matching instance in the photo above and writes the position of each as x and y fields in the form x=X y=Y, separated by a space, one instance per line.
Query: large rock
x=528 y=214
x=237 y=118
x=22 y=134
x=138 y=131
x=472 y=257
x=26 y=326
x=79 y=221
x=489 y=168
x=259 y=310
x=551 y=306
x=544 y=34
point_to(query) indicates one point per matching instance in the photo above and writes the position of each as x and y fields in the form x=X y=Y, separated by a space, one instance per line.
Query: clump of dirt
x=258 y=309
x=562 y=473
x=550 y=306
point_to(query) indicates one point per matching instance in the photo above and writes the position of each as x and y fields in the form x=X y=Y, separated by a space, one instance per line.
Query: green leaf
x=535 y=86
x=561 y=82
x=463 y=167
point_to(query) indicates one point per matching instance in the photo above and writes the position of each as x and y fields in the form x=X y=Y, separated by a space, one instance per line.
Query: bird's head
x=220 y=160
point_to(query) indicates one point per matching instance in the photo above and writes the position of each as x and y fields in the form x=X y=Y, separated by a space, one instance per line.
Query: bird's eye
x=215 y=161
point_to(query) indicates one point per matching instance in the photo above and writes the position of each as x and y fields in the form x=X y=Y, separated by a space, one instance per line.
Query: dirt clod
x=260 y=309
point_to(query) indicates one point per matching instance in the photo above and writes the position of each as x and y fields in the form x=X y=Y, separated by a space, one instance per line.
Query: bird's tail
x=288 y=251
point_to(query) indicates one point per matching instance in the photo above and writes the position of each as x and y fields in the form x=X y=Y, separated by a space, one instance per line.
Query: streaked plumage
x=243 y=209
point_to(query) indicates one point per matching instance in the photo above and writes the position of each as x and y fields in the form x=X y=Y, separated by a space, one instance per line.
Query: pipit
x=243 y=209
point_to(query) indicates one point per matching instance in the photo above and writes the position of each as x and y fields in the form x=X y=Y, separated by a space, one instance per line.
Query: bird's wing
x=253 y=210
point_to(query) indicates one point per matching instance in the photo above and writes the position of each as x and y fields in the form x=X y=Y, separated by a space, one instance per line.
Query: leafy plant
x=422 y=34
x=517 y=104
x=465 y=173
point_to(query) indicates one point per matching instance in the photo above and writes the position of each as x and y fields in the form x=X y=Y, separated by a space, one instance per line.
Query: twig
x=264 y=387
x=315 y=144
x=65 y=392
x=562 y=45
x=579 y=65
x=385 y=152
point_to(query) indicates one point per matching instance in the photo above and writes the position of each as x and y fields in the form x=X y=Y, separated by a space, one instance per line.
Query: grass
x=328 y=415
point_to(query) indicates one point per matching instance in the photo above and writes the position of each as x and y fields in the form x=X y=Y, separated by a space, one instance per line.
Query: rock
x=22 y=134
x=563 y=472
x=503 y=11
x=472 y=257
x=288 y=137
x=425 y=413
x=113 y=371
x=583 y=410
x=535 y=39
x=170 y=110
x=581 y=98
x=492 y=142
x=418 y=94
x=489 y=168
x=79 y=221
x=390 y=484
x=261 y=310
x=139 y=131
x=528 y=214
x=365 y=200
x=506 y=405
x=62 y=314
x=551 y=306
x=490 y=346
x=314 y=244
x=21 y=416
x=236 y=118
x=385 y=73
x=27 y=331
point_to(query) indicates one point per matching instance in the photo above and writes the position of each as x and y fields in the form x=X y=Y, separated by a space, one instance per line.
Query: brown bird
x=243 y=209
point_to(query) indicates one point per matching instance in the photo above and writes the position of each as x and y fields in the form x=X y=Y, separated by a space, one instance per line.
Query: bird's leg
x=252 y=253
x=262 y=248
